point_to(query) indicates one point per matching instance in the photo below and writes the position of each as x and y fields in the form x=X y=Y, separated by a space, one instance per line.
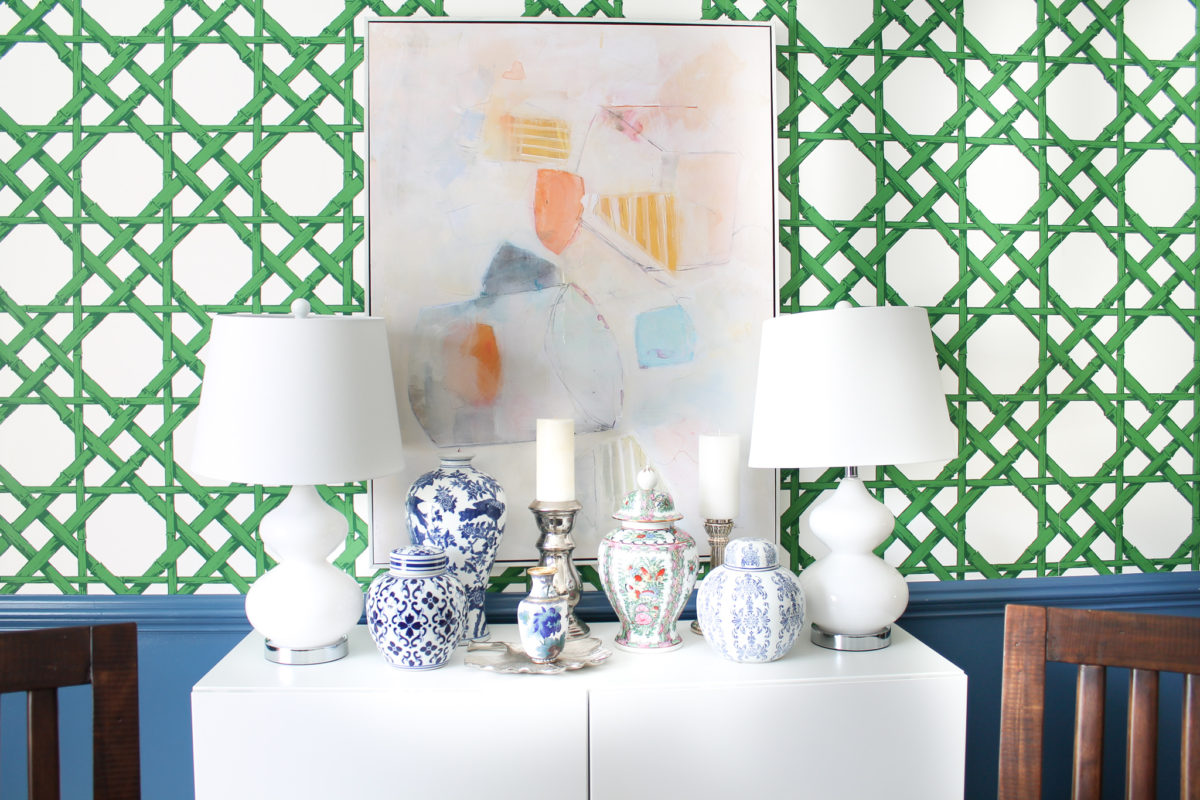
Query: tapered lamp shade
x=849 y=387
x=297 y=399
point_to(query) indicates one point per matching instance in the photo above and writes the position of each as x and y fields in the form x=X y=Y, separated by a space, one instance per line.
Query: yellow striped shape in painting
x=649 y=220
x=540 y=139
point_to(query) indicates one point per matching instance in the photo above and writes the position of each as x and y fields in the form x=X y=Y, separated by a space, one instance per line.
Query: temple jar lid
x=751 y=554
x=647 y=506
x=419 y=559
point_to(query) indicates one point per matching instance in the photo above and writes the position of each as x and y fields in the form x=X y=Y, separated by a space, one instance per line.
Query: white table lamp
x=299 y=400
x=850 y=387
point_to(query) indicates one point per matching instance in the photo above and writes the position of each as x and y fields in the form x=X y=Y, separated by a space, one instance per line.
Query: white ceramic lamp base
x=852 y=595
x=304 y=606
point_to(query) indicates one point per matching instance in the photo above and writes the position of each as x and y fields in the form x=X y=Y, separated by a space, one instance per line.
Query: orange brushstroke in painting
x=472 y=361
x=557 y=207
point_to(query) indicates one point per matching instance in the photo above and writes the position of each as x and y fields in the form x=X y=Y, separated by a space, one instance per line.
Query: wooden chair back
x=39 y=662
x=1146 y=644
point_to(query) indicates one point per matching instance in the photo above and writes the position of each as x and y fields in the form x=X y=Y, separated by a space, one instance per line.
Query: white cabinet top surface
x=694 y=664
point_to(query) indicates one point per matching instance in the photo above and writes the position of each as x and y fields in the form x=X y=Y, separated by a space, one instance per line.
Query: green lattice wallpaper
x=1027 y=170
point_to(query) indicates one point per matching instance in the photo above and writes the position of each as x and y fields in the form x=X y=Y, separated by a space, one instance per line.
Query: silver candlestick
x=718 y=536
x=555 y=520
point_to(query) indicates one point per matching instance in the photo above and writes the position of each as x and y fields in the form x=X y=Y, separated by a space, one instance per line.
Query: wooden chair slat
x=43 y=744
x=1123 y=639
x=25 y=658
x=1022 y=703
x=1089 y=733
x=1189 y=748
x=1142 y=742
x=116 y=767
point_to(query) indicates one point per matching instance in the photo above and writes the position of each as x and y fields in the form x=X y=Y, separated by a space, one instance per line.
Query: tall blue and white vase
x=462 y=511
x=415 y=611
x=542 y=617
x=750 y=607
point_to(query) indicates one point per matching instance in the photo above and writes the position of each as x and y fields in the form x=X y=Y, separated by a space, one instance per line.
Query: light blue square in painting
x=664 y=336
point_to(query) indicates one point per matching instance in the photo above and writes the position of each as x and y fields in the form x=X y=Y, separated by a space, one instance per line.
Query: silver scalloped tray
x=512 y=658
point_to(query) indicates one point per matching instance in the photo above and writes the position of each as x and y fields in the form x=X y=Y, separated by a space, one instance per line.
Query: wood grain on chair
x=1146 y=644
x=40 y=662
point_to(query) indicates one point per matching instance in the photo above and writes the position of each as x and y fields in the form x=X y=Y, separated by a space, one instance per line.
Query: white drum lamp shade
x=291 y=399
x=850 y=387
x=299 y=400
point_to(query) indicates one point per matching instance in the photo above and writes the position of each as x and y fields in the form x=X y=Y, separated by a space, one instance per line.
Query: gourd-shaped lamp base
x=304 y=606
x=853 y=595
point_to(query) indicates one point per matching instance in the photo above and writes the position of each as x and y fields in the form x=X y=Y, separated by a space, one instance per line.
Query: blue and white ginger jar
x=750 y=608
x=462 y=511
x=416 y=611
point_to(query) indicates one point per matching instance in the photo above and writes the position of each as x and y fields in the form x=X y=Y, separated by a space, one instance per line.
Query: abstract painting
x=571 y=220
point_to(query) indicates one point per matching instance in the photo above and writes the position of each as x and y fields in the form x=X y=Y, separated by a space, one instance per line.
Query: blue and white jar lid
x=751 y=554
x=419 y=559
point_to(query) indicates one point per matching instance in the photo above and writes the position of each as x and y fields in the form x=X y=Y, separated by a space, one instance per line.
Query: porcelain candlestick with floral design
x=648 y=568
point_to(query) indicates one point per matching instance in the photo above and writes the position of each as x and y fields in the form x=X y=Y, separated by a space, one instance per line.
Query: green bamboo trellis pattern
x=918 y=104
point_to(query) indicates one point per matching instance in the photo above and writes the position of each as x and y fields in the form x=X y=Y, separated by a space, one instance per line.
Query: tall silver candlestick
x=718 y=536
x=555 y=520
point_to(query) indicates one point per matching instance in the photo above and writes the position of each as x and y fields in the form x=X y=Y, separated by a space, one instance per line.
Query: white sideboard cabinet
x=685 y=724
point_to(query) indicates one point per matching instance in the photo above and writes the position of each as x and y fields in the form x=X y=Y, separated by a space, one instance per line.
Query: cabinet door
x=411 y=744
x=903 y=739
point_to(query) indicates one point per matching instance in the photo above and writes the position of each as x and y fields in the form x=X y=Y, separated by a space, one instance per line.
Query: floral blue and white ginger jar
x=462 y=511
x=542 y=617
x=750 y=608
x=648 y=568
x=416 y=610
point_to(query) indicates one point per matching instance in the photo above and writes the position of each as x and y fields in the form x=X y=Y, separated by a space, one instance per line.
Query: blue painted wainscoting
x=181 y=637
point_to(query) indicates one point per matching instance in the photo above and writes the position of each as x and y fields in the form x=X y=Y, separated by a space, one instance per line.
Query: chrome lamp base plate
x=854 y=642
x=299 y=656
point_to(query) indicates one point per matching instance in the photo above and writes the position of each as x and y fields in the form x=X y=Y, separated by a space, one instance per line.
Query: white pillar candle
x=719 y=476
x=555 y=460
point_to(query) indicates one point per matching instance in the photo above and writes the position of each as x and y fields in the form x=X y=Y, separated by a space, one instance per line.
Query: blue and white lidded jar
x=416 y=611
x=461 y=510
x=542 y=617
x=751 y=608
